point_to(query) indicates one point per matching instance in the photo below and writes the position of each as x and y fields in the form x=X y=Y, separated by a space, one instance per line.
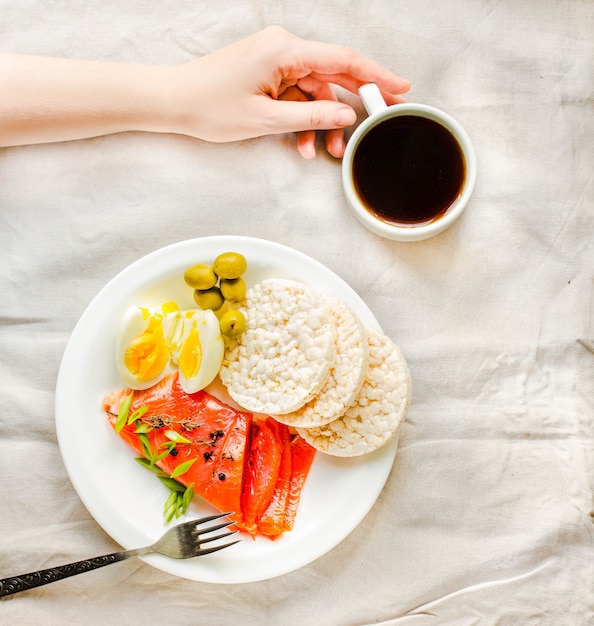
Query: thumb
x=290 y=116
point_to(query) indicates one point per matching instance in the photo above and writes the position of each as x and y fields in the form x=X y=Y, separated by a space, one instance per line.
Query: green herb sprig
x=180 y=497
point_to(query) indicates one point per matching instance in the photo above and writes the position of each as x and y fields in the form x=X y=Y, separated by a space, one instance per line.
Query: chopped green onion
x=140 y=411
x=172 y=484
x=123 y=413
x=182 y=468
x=170 y=507
x=150 y=466
x=146 y=447
x=143 y=429
x=179 y=511
x=188 y=495
x=176 y=437
x=162 y=455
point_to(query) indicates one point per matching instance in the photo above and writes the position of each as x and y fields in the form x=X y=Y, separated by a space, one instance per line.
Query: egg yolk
x=190 y=356
x=147 y=355
x=158 y=313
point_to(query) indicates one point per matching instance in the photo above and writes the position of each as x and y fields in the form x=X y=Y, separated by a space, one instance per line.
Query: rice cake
x=284 y=356
x=379 y=410
x=347 y=373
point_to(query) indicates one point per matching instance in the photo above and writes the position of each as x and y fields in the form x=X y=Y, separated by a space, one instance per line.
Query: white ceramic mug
x=396 y=229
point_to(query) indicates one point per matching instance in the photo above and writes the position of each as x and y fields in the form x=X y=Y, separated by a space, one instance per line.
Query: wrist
x=177 y=105
x=140 y=99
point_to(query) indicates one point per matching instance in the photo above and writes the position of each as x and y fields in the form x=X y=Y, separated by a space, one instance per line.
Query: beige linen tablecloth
x=486 y=517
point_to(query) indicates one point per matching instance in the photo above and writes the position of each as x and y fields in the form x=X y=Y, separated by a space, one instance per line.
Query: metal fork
x=180 y=542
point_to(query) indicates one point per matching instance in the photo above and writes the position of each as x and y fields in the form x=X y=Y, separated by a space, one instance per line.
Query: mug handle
x=372 y=98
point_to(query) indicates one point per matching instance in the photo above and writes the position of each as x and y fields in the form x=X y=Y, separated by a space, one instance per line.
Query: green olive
x=233 y=289
x=230 y=265
x=232 y=324
x=200 y=277
x=209 y=298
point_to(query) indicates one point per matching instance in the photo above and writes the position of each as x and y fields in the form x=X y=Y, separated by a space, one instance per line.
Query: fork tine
x=210 y=518
x=194 y=525
x=216 y=548
x=212 y=528
x=209 y=539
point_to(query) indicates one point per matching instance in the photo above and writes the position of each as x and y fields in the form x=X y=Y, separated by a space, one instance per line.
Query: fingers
x=352 y=83
x=306 y=143
x=347 y=68
x=305 y=117
x=314 y=115
x=329 y=63
x=306 y=138
x=319 y=90
x=334 y=143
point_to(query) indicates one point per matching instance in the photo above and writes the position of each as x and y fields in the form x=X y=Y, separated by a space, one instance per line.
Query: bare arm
x=50 y=99
x=272 y=82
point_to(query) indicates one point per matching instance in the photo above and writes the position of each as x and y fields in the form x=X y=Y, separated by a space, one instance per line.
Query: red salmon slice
x=218 y=436
x=271 y=523
x=262 y=469
x=302 y=456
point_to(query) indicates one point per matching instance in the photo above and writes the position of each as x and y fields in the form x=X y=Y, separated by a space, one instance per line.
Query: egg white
x=135 y=322
x=199 y=331
x=192 y=336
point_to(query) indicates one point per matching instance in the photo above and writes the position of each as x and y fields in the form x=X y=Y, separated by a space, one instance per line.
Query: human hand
x=273 y=82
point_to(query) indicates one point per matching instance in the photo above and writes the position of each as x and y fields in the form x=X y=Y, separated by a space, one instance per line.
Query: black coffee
x=408 y=170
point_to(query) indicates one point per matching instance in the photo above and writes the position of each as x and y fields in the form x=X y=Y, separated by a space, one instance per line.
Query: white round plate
x=125 y=498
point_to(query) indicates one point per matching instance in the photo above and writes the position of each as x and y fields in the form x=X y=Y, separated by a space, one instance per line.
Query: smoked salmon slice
x=302 y=456
x=270 y=523
x=217 y=437
x=262 y=469
x=253 y=467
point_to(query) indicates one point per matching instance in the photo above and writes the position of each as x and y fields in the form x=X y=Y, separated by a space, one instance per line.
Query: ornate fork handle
x=183 y=541
x=14 y=584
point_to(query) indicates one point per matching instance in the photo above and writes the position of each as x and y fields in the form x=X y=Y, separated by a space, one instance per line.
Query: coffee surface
x=408 y=170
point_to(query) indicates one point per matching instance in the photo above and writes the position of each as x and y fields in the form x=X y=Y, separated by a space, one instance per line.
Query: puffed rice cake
x=346 y=375
x=378 y=412
x=284 y=356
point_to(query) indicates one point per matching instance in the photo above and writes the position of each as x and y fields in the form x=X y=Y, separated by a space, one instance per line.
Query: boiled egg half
x=156 y=341
x=197 y=348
